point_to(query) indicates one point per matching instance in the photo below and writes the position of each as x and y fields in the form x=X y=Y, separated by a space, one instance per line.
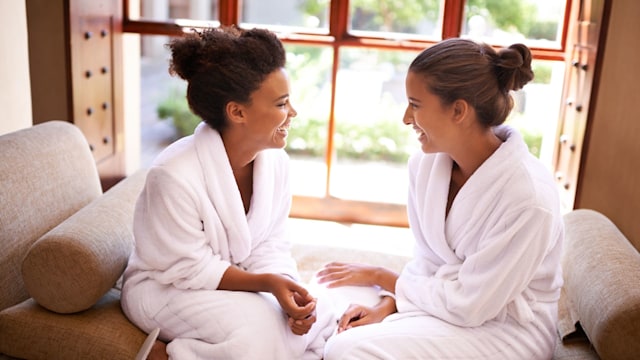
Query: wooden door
x=95 y=28
x=75 y=61
x=584 y=43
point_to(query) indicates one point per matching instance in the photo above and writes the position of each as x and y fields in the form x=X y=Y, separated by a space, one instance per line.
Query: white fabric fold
x=223 y=191
x=497 y=252
x=190 y=224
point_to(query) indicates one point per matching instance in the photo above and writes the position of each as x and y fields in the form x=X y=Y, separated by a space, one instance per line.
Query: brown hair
x=463 y=69
x=222 y=65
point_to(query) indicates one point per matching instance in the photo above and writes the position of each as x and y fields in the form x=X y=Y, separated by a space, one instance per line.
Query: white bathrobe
x=485 y=279
x=190 y=226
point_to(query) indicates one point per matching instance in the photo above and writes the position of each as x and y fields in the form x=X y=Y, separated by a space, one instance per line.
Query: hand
x=302 y=326
x=296 y=302
x=358 y=315
x=341 y=274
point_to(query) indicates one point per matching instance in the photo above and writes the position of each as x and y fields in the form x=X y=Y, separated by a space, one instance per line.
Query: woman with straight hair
x=485 y=278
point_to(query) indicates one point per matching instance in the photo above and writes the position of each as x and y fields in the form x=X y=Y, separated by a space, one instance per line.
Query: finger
x=348 y=317
x=302 y=326
x=334 y=276
x=359 y=322
x=300 y=331
x=300 y=313
x=303 y=300
x=307 y=322
x=294 y=287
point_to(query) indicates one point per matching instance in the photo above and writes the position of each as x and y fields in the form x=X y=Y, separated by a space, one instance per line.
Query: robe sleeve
x=169 y=235
x=495 y=274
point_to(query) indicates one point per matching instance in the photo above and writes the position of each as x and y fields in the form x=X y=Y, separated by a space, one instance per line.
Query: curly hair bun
x=198 y=51
x=513 y=67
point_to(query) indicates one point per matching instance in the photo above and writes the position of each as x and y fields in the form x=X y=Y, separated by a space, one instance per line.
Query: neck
x=477 y=149
x=239 y=150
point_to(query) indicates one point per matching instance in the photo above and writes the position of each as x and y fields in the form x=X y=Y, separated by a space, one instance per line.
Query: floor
x=381 y=239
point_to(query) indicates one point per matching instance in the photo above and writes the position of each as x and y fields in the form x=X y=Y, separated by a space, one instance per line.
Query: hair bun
x=186 y=55
x=513 y=67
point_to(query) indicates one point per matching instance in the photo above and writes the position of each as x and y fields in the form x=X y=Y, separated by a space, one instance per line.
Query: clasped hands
x=297 y=303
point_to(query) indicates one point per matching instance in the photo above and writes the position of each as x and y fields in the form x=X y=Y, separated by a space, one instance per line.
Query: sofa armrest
x=72 y=266
x=602 y=282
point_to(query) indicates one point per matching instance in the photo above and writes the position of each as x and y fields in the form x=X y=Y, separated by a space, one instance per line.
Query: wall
x=48 y=62
x=15 y=100
x=610 y=169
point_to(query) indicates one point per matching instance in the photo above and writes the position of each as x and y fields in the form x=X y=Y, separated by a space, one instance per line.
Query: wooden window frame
x=328 y=207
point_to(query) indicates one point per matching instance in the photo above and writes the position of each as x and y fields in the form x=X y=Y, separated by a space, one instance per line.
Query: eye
x=413 y=105
x=283 y=104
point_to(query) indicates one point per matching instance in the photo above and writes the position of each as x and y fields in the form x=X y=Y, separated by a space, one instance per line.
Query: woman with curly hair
x=485 y=278
x=212 y=268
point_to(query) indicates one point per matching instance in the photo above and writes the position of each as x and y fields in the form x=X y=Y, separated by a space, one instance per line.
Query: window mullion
x=339 y=19
x=452 y=18
x=229 y=12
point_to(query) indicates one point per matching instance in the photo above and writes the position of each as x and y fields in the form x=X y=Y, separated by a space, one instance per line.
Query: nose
x=292 y=111
x=407 y=119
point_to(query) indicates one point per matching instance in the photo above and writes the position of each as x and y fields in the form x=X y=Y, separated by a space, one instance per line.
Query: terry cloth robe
x=189 y=227
x=485 y=279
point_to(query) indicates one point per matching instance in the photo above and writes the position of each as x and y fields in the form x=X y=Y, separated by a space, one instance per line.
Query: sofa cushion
x=602 y=283
x=72 y=266
x=47 y=173
x=28 y=331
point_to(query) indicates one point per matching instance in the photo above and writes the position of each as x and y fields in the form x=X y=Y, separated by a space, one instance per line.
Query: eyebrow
x=281 y=97
x=413 y=99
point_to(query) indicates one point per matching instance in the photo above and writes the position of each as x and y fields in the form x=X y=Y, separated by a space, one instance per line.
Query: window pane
x=286 y=15
x=503 y=22
x=371 y=143
x=397 y=18
x=160 y=10
x=163 y=106
x=536 y=109
x=309 y=70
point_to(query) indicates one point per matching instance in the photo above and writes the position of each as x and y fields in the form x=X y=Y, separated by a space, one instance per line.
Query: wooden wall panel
x=584 y=42
x=610 y=170
x=75 y=51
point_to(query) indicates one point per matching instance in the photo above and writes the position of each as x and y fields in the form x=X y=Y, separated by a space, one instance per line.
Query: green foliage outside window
x=381 y=138
x=176 y=109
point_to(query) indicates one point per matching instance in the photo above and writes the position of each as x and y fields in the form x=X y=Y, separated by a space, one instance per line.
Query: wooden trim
x=228 y=12
x=349 y=211
x=452 y=18
x=178 y=28
x=604 y=26
x=329 y=208
x=339 y=19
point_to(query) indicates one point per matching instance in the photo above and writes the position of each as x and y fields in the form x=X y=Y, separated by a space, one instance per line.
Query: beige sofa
x=599 y=311
x=64 y=245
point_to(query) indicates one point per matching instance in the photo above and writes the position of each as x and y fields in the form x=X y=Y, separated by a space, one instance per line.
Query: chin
x=427 y=149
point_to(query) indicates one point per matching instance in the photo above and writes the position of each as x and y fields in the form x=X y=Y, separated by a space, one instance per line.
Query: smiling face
x=268 y=115
x=431 y=120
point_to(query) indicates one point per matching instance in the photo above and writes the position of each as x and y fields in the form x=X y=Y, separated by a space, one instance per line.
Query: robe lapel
x=433 y=210
x=262 y=200
x=478 y=194
x=223 y=191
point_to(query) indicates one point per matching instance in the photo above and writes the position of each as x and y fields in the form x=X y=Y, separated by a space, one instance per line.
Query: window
x=347 y=60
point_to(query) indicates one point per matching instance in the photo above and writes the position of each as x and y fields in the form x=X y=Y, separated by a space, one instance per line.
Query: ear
x=235 y=112
x=461 y=110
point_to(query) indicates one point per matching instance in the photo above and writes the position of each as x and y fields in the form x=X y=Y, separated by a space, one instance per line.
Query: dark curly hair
x=463 y=69
x=222 y=65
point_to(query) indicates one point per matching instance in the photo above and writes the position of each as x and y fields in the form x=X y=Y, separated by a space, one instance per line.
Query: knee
x=339 y=346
